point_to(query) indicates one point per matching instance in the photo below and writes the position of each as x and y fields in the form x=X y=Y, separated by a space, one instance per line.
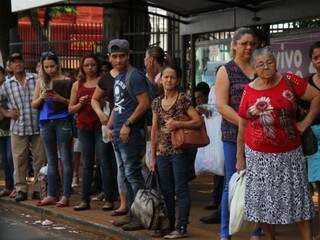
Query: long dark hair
x=81 y=75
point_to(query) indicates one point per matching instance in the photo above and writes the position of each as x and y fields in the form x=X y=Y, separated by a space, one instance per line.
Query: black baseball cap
x=15 y=56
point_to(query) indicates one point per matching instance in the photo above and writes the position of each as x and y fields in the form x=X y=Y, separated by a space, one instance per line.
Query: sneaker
x=101 y=196
x=75 y=182
x=122 y=221
x=180 y=232
x=133 y=225
x=21 y=196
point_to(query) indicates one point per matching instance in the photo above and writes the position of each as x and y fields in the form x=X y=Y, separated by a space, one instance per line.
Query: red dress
x=271 y=115
x=87 y=117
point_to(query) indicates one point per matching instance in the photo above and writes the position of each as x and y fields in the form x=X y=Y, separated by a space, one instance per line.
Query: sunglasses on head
x=48 y=54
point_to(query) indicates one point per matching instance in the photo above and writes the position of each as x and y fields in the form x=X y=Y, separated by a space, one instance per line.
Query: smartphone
x=50 y=92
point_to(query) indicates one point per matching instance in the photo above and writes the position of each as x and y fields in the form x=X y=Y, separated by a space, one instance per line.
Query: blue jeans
x=5 y=146
x=57 y=134
x=173 y=176
x=92 y=147
x=130 y=155
x=230 y=151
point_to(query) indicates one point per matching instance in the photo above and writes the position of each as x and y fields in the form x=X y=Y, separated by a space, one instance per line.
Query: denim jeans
x=230 y=152
x=173 y=176
x=7 y=161
x=57 y=134
x=130 y=155
x=92 y=147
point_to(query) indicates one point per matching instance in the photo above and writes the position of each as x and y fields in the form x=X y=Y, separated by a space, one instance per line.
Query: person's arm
x=311 y=95
x=222 y=86
x=37 y=96
x=154 y=138
x=74 y=104
x=195 y=121
x=241 y=162
x=110 y=126
x=95 y=103
x=143 y=105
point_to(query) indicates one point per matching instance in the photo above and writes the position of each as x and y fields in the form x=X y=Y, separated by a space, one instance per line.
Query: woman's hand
x=241 y=162
x=172 y=124
x=84 y=99
x=152 y=164
x=56 y=97
x=302 y=126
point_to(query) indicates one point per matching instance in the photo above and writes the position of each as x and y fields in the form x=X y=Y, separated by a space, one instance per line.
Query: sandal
x=116 y=213
x=46 y=202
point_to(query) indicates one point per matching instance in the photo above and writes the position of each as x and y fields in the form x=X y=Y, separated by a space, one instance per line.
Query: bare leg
x=123 y=202
x=268 y=230
x=305 y=230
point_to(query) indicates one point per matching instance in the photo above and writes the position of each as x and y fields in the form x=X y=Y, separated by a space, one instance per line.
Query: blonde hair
x=44 y=79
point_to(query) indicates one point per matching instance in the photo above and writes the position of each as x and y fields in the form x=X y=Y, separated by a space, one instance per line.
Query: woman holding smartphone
x=51 y=97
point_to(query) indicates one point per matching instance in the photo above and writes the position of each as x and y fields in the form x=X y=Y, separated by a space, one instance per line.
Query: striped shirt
x=20 y=97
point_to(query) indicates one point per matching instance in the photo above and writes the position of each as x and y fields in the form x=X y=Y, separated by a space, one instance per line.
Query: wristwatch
x=128 y=124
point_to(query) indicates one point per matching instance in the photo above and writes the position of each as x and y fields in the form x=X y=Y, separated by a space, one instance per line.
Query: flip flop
x=42 y=203
x=62 y=205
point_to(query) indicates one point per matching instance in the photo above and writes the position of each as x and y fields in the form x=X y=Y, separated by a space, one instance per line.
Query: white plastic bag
x=232 y=186
x=237 y=205
x=210 y=159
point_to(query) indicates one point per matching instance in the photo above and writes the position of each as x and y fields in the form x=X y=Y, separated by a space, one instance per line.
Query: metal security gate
x=72 y=41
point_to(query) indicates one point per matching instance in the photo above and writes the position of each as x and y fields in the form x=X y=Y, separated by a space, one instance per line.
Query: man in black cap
x=126 y=124
x=18 y=91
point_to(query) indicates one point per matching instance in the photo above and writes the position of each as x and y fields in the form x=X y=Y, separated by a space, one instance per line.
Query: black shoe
x=212 y=206
x=212 y=218
x=35 y=195
x=161 y=232
x=134 y=225
x=21 y=196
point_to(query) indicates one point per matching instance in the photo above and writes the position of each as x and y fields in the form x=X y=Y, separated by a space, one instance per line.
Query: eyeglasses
x=267 y=64
x=248 y=43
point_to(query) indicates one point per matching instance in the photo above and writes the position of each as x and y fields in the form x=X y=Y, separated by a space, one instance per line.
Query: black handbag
x=149 y=206
x=309 y=142
x=308 y=138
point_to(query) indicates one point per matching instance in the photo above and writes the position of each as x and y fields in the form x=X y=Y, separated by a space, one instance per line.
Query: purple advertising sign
x=292 y=53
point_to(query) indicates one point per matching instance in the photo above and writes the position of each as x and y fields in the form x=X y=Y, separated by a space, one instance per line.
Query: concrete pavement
x=100 y=221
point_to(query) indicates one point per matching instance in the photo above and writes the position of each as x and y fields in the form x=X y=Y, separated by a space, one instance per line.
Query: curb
x=109 y=230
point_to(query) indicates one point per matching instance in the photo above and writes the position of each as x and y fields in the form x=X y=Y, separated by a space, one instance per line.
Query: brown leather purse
x=183 y=138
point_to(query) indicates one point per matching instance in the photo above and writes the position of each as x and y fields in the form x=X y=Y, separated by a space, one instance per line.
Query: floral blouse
x=271 y=115
x=179 y=108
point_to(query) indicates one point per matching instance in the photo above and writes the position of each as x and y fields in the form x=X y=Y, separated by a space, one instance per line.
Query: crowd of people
x=108 y=116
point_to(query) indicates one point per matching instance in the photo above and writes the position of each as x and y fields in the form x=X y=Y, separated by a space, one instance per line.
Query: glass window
x=209 y=56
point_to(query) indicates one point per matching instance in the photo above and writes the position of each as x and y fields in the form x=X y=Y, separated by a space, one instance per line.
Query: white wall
x=18 y=5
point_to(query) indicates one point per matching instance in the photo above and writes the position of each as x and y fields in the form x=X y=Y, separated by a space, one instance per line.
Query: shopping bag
x=210 y=159
x=149 y=206
x=237 y=205
x=232 y=186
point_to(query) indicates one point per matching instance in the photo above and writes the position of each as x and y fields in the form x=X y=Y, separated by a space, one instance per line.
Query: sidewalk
x=99 y=221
